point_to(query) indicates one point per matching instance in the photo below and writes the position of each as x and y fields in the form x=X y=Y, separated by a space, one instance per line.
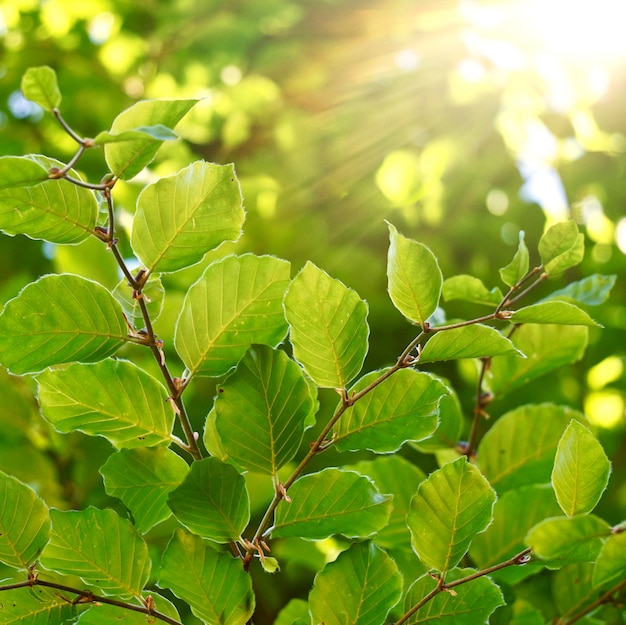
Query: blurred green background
x=462 y=123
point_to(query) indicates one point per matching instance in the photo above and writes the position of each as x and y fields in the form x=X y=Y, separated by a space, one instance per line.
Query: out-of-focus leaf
x=611 y=561
x=158 y=132
x=561 y=247
x=518 y=267
x=153 y=294
x=294 y=613
x=573 y=590
x=39 y=85
x=561 y=313
x=470 y=289
x=592 y=290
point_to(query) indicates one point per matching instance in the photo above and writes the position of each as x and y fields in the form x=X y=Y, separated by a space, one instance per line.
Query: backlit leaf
x=180 y=218
x=592 y=290
x=359 y=587
x=38 y=606
x=59 y=319
x=450 y=427
x=214 y=584
x=611 y=561
x=332 y=501
x=328 y=327
x=581 y=470
x=261 y=410
x=470 y=289
x=153 y=295
x=561 y=247
x=553 y=312
x=39 y=85
x=16 y=172
x=518 y=267
x=415 y=279
x=236 y=302
x=113 y=398
x=451 y=506
x=143 y=133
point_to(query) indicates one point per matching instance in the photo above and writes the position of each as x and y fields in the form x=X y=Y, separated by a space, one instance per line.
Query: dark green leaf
x=592 y=290
x=553 y=312
x=359 y=587
x=611 y=561
x=404 y=407
x=153 y=295
x=581 y=470
x=470 y=289
x=103 y=549
x=24 y=524
x=158 y=132
x=39 y=85
x=518 y=267
x=561 y=247
x=332 y=501
x=328 y=327
x=59 y=319
x=214 y=584
x=143 y=478
x=236 y=302
x=212 y=501
x=261 y=410
x=415 y=279
x=519 y=448
x=180 y=218
x=451 y=506
x=474 y=341
x=450 y=428
x=128 y=158
x=114 y=398
x=572 y=589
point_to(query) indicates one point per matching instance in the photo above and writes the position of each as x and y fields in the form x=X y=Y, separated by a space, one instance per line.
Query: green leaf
x=611 y=561
x=518 y=267
x=39 y=85
x=546 y=347
x=59 y=319
x=261 y=410
x=450 y=507
x=113 y=398
x=470 y=289
x=561 y=247
x=450 y=428
x=104 y=614
x=474 y=341
x=568 y=539
x=328 y=327
x=332 y=501
x=143 y=478
x=296 y=611
x=572 y=589
x=519 y=448
x=553 y=312
x=212 y=501
x=158 y=132
x=128 y=158
x=52 y=210
x=581 y=470
x=415 y=279
x=214 y=584
x=236 y=302
x=153 y=295
x=24 y=523
x=180 y=218
x=395 y=476
x=404 y=407
x=103 y=549
x=524 y=613
x=359 y=587
x=514 y=514
x=36 y=606
x=592 y=290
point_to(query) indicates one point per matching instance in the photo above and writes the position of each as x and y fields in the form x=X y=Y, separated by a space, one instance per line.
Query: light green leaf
x=471 y=603
x=568 y=539
x=514 y=514
x=611 y=562
x=103 y=549
x=143 y=478
x=128 y=158
x=261 y=410
x=561 y=247
x=415 y=279
x=212 y=501
x=474 y=341
x=451 y=506
x=24 y=524
x=470 y=289
x=581 y=470
x=59 y=319
x=393 y=475
x=105 y=614
x=214 y=584
x=592 y=290
x=153 y=295
x=113 y=398
x=404 y=407
x=358 y=588
x=211 y=438
x=295 y=612
x=328 y=327
x=52 y=210
x=158 y=132
x=518 y=267
x=180 y=218
x=450 y=427
x=89 y=259
x=332 y=501
x=546 y=347
x=39 y=606
x=560 y=313
x=236 y=302
x=519 y=448
x=39 y=85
